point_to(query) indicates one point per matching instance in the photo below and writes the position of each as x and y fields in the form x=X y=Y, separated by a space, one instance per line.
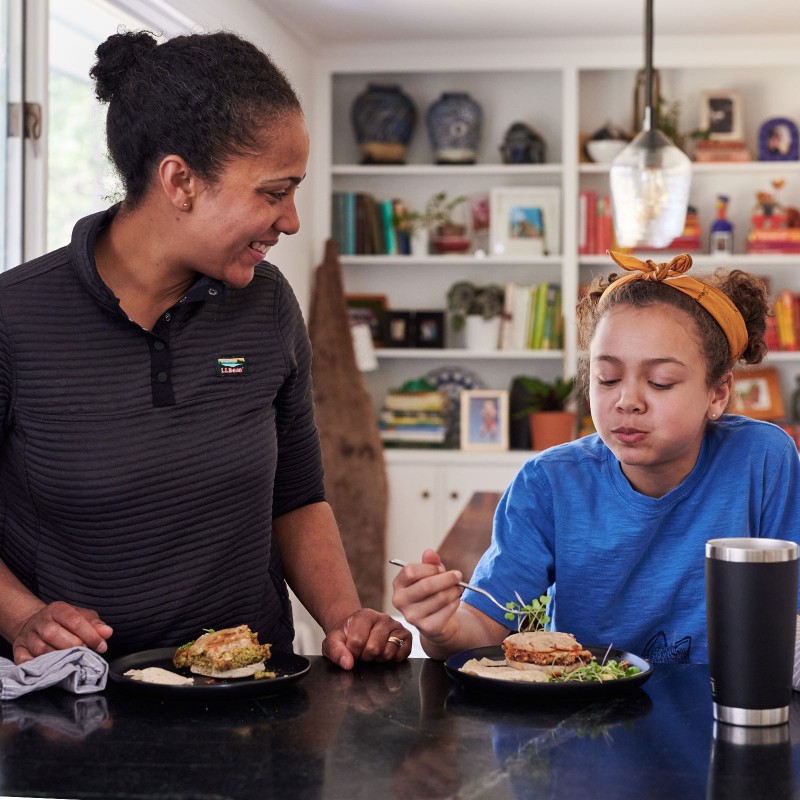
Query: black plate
x=566 y=690
x=289 y=667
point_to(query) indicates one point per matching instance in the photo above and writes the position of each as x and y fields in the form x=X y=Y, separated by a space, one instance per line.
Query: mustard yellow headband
x=717 y=303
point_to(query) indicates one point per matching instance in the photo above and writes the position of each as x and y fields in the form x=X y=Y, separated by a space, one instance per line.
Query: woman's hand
x=366 y=635
x=59 y=626
x=429 y=596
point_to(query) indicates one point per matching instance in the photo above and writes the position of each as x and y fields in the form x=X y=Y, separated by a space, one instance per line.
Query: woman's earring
x=186 y=205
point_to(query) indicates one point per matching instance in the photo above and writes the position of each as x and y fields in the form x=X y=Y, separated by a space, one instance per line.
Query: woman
x=617 y=521
x=160 y=469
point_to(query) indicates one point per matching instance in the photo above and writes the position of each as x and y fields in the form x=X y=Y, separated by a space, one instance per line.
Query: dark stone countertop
x=395 y=731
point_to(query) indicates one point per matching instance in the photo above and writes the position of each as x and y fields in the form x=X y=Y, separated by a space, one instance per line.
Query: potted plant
x=550 y=419
x=437 y=221
x=477 y=310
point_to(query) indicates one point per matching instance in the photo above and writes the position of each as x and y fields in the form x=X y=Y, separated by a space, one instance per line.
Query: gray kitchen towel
x=78 y=670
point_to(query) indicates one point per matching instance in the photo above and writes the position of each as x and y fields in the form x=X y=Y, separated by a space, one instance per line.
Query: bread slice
x=240 y=672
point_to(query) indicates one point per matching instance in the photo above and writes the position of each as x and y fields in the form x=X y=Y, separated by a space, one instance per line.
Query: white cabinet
x=427 y=492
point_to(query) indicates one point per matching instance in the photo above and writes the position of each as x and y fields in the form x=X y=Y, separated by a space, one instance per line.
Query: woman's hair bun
x=116 y=56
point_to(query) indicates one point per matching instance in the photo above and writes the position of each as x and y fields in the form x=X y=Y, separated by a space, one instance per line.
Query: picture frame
x=778 y=140
x=721 y=115
x=757 y=394
x=429 y=329
x=369 y=309
x=399 y=329
x=484 y=419
x=525 y=221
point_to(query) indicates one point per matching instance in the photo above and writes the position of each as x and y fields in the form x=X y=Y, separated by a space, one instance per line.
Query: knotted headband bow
x=717 y=303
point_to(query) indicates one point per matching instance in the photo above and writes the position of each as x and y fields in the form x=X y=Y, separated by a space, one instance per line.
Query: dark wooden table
x=399 y=731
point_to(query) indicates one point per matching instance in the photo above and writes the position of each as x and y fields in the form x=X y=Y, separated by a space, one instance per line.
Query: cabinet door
x=412 y=518
x=459 y=483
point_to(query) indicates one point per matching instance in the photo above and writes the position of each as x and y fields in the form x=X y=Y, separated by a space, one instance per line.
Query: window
x=54 y=167
x=80 y=179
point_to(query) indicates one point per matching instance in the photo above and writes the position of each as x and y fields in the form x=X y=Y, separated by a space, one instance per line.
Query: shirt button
x=212 y=292
x=161 y=377
x=158 y=345
x=167 y=317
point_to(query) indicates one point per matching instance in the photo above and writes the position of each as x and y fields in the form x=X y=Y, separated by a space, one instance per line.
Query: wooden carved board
x=352 y=452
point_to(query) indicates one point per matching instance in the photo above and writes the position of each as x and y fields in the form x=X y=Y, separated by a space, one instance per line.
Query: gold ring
x=396 y=640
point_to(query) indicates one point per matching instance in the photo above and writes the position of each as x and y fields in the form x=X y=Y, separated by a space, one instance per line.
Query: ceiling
x=341 y=21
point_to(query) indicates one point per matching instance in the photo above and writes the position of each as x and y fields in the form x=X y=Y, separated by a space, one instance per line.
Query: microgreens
x=535 y=617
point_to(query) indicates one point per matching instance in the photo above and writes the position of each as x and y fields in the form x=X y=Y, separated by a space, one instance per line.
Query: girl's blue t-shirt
x=626 y=569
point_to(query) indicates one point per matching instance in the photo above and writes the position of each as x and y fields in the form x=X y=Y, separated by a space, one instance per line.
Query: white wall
x=295 y=255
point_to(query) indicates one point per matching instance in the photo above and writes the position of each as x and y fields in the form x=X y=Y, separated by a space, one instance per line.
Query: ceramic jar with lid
x=454 y=127
x=383 y=119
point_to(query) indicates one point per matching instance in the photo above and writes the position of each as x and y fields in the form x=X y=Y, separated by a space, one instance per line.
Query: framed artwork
x=429 y=329
x=399 y=329
x=484 y=419
x=777 y=140
x=369 y=309
x=524 y=221
x=757 y=394
x=721 y=115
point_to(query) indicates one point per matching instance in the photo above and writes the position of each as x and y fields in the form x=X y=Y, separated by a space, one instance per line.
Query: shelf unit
x=563 y=89
x=562 y=95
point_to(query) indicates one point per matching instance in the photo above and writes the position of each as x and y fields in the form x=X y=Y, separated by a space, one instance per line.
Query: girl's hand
x=429 y=596
x=59 y=626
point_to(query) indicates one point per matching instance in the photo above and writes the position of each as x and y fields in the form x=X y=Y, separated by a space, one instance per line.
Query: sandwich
x=548 y=653
x=228 y=653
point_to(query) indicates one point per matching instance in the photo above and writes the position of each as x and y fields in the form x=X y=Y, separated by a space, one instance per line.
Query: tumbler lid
x=752 y=550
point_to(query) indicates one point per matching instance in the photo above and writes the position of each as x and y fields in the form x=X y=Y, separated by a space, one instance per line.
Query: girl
x=615 y=523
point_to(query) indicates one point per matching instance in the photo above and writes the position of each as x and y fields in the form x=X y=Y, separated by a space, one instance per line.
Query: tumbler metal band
x=751 y=716
x=746 y=549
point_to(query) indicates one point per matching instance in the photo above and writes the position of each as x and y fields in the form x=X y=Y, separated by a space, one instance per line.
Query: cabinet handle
x=454 y=495
x=425 y=494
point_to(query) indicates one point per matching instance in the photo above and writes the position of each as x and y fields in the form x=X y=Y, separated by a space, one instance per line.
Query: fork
x=398 y=563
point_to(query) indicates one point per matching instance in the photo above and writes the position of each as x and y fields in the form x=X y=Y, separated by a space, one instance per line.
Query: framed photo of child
x=484 y=419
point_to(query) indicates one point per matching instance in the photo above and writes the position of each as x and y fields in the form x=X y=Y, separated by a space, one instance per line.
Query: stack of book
x=708 y=150
x=532 y=318
x=414 y=419
x=596 y=226
x=363 y=225
x=785 y=333
x=773 y=240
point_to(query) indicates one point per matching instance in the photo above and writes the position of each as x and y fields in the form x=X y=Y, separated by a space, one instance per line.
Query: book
x=539 y=300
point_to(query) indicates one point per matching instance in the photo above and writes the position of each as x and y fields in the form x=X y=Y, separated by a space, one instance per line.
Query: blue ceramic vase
x=454 y=127
x=383 y=119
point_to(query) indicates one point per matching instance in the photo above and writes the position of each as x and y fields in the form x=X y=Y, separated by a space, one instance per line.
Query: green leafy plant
x=465 y=298
x=545 y=395
x=535 y=617
x=438 y=212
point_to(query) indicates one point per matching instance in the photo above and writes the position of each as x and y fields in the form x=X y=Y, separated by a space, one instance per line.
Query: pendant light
x=650 y=178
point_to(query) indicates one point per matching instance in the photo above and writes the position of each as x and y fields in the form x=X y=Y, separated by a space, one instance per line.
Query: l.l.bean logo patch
x=231 y=366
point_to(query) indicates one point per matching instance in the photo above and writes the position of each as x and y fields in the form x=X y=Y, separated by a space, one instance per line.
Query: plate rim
x=221 y=688
x=560 y=689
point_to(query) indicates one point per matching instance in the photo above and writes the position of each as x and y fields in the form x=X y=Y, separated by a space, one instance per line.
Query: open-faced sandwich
x=227 y=653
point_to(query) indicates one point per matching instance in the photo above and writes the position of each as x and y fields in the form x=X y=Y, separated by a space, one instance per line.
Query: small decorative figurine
x=721 y=238
x=522 y=145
